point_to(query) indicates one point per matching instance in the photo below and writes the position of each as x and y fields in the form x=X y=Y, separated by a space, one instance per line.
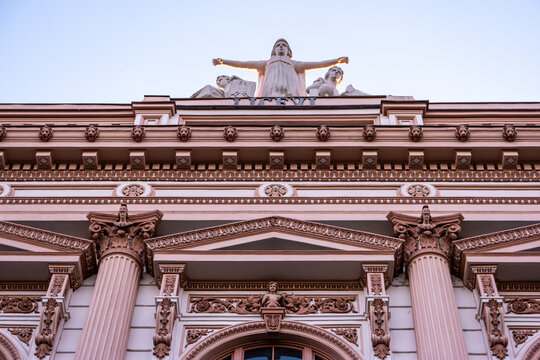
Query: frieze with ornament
x=522 y=305
x=262 y=285
x=293 y=304
x=19 y=304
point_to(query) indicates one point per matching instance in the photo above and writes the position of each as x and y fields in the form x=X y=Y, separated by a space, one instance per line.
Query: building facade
x=361 y=227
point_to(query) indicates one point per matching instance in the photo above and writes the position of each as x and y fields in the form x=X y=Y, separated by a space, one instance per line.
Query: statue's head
x=426 y=214
x=334 y=73
x=222 y=81
x=272 y=286
x=282 y=48
x=122 y=213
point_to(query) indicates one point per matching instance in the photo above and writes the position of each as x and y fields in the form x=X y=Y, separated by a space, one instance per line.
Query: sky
x=113 y=51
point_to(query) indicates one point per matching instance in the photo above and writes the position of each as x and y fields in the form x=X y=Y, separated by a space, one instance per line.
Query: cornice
x=52 y=240
x=361 y=175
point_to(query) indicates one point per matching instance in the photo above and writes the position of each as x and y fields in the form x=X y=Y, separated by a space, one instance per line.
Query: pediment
x=275 y=233
x=521 y=239
x=516 y=251
x=38 y=245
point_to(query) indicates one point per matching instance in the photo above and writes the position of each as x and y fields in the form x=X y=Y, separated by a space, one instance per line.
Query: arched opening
x=250 y=341
x=8 y=351
x=533 y=350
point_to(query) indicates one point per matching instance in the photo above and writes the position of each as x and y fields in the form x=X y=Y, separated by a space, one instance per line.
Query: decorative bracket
x=377 y=308
x=491 y=309
x=53 y=309
x=272 y=318
x=167 y=307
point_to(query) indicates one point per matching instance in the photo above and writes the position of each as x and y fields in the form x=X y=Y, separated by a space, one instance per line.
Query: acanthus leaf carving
x=349 y=334
x=122 y=233
x=520 y=336
x=522 y=305
x=426 y=233
x=19 y=304
x=194 y=335
x=24 y=334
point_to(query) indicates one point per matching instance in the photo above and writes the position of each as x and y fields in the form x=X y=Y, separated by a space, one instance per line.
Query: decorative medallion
x=323 y=133
x=275 y=190
x=230 y=133
x=183 y=133
x=417 y=190
x=45 y=133
x=137 y=133
x=277 y=133
x=91 y=133
x=5 y=189
x=134 y=190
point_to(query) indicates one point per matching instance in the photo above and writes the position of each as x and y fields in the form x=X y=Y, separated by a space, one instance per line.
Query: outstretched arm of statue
x=257 y=65
x=308 y=65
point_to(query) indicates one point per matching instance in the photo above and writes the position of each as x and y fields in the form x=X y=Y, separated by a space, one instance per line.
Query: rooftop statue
x=280 y=76
x=229 y=86
x=328 y=85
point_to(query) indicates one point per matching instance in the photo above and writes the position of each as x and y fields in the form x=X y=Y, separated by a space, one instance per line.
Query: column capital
x=426 y=233
x=121 y=233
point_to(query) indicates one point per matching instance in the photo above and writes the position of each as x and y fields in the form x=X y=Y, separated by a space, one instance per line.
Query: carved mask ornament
x=323 y=133
x=91 y=133
x=369 y=133
x=277 y=133
x=462 y=132
x=415 y=133
x=230 y=133
x=183 y=133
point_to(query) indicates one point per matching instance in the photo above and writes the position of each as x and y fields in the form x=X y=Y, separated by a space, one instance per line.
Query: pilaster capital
x=476 y=270
x=121 y=233
x=426 y=232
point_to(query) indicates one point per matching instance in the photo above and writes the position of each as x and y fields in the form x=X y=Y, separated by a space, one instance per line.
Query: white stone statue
x=229 y=86
x=280 y=76
x=328 y=85
x=351 y=91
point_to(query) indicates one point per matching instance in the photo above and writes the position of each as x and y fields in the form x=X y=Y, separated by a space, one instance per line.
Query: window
x=272 y=353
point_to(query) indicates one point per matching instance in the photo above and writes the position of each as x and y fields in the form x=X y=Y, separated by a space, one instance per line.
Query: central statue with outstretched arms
x=281 y=76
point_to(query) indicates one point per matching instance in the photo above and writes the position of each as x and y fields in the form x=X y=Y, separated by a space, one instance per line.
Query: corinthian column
x=121 y=251
x=428 y=241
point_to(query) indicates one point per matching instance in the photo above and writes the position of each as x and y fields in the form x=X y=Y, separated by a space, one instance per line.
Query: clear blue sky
x=117 y=51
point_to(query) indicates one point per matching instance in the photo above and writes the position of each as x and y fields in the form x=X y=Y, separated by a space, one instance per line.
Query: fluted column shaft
x=106 y=331
x=435 y=314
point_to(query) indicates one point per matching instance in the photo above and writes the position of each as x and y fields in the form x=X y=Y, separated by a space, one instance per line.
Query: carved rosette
x=52 y=312
x=45 y=133
x=462 y=132
x=509 y=132
x=91 y=133
x=166 y=312
x=277 y=133
x=323 y=133
x=3 y=132
x=230 y=133
x=123 y=234
x=415 y=133
x=138 y=133
x=426 y=233
x=369 y=132
x=184 y=133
